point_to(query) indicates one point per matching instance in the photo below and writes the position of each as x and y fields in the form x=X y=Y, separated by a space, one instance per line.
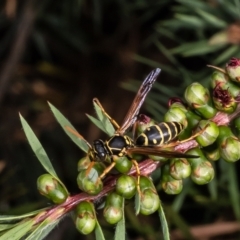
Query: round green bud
x=209 y=135
x=145 y=183
x=51 y=188
x=212 y=152
x=113 y=211
x=228 y=144
x=172 y=187
x=176 y=115
x=180 y=168
x=85 y=217
x=123 y=164
x=223 y=101
x=126 y=186
x=113 y=214
x=229 y=149
x=198 y=98
x=196 y=94
x=233 y=69
x=83 y=163
x=179 y=105
x=88 y=181
x=203 y=173
x=221 y=80
x=149 y=202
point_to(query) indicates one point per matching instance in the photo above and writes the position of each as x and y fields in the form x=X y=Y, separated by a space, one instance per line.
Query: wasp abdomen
x=159 y=134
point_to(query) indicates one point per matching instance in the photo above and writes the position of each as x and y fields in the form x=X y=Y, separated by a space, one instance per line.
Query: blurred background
x=67 y=53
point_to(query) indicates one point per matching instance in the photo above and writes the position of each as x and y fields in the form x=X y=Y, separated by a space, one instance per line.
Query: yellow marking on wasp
x=169 y=131
x=161 y=134
x=154 y=141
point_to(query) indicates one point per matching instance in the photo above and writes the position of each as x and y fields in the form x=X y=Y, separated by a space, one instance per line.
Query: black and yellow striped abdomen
x=159 y=134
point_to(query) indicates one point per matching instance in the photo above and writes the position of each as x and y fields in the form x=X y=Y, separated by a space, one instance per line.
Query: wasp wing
x=133 y=111
x=158 y=151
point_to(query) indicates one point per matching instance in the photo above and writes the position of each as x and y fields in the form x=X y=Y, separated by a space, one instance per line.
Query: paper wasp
x=150 y=142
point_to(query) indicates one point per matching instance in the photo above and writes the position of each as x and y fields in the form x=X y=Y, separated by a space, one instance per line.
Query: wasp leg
x=135 y=163
x=114 y=123
x=107 y=170
x=90 y=167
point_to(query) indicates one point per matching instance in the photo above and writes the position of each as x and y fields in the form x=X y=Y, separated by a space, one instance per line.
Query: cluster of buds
x=205 y=116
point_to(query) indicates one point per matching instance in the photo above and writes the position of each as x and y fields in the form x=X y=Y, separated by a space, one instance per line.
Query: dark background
x=67 y=53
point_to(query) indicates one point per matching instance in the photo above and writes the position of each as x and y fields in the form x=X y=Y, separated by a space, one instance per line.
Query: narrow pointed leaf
x=137 y=203
x=42 y=230
x=66 y=125
x=4 y=227
x=164 y=224
x=37 y=148
x=97 y=122
x=19 y=231
x=9 y=218
x=120 y=232
x=98 y=232
x=233 y=190
x=107 y=125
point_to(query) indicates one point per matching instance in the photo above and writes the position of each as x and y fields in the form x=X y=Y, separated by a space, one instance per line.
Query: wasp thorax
x=118 y=144
x=99 y=149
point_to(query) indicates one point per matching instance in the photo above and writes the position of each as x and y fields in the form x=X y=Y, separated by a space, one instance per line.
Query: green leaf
x=98 y=231
x=212 y=19
x=19 y=231
x=42 y=230
x=120 y=233
x=69 y=129
x=164 y=224
x=137 y=203
x=38 y=148
x=4 y=227
x=106 y=124
x=9 y=218
x=96 y=122
x=233 y=189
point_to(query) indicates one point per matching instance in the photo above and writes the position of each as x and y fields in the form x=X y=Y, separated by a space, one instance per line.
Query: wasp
x=151 y=142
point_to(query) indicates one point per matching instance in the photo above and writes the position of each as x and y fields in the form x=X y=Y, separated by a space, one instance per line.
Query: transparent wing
x=158 y=151
x=133 y=111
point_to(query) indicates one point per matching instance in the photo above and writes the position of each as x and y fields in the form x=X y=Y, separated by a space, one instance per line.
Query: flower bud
x=113 y=211
x=168 y=183
x=51 y=188
x=233 y=69
x=126 y=186
x=146 y=183
x=198 y=98
x=149 y=202
x=83 y=163
x=223 y=100
x=229 y=144
x=85 y=217
x=123 y=164
x=89 y=181
x=202 y=170
x=180 y=168
x=176 y=115
x=210 y=133
x=221 y=80
x=212 y=152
